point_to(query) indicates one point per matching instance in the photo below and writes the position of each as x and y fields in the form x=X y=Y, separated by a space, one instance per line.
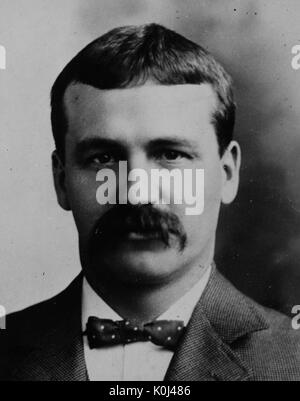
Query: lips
x=129 y=232
x=143 y=235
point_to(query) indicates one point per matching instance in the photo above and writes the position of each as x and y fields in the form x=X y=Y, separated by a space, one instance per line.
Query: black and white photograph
x=149 y=193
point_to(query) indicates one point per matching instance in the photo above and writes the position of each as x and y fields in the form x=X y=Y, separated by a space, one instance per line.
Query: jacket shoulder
x=262 y=339
x=274 y=352
x=35 y=318
x=275 y=320
x=25 y=328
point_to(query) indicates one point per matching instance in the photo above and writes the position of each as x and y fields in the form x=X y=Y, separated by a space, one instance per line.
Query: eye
x=104 y=158
x=172 y=155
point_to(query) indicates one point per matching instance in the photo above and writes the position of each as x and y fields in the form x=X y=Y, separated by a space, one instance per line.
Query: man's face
x=151 y=127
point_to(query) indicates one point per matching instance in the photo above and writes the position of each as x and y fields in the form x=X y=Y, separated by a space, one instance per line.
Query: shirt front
x=139 y=361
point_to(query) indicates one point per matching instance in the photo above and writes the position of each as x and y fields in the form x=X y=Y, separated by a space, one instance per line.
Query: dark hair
x=128 y=56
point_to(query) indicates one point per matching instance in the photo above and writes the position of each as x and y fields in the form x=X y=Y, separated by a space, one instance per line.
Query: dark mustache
x=123 y=219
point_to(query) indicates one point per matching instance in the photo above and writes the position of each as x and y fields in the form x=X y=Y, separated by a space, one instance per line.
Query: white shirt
x=140 y=361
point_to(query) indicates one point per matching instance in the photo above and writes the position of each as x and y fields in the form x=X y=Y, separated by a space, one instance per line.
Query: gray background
x=259 y=237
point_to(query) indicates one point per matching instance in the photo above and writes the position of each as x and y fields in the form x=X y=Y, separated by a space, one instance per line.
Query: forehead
x=148 y=109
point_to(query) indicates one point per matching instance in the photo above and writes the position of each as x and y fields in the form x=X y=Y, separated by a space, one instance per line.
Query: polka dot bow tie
x=106 y=332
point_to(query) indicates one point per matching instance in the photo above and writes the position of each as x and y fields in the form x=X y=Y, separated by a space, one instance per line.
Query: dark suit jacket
x=229 y=338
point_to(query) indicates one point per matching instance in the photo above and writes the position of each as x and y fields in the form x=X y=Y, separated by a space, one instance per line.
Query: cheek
x=212 y=196
x=200 y=227
x=82 y=197
x=212 y=186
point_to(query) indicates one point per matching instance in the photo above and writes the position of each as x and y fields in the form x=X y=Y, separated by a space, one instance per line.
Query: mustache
x=146 y=219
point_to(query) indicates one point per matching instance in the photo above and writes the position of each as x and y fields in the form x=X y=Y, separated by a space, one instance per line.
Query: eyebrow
x=87 y=144
x=173 y=141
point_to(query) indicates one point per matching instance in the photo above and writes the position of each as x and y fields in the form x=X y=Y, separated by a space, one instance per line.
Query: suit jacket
x=229 y=338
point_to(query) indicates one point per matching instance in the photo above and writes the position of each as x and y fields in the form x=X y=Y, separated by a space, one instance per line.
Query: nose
x=139 y=175
x=138 y=183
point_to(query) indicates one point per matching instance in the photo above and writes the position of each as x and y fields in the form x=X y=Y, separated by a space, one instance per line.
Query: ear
x=231 y=162
x=58 y=170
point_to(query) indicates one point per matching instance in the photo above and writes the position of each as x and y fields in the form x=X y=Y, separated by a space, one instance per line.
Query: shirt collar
x=182 y=309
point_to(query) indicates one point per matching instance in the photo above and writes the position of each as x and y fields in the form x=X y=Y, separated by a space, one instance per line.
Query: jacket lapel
x=59 y=355
x=221 y=316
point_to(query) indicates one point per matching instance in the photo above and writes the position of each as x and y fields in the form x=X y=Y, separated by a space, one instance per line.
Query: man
x=149 y=304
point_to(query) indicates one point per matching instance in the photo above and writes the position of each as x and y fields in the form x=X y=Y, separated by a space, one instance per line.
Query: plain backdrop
x=259 y=237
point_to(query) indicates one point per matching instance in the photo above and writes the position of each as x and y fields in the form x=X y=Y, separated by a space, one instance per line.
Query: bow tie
x=106 y=332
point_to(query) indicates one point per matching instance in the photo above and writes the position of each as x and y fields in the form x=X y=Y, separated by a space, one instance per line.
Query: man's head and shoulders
x=150 y=97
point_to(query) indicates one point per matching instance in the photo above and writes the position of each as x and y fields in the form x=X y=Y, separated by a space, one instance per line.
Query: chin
x=142 y=266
